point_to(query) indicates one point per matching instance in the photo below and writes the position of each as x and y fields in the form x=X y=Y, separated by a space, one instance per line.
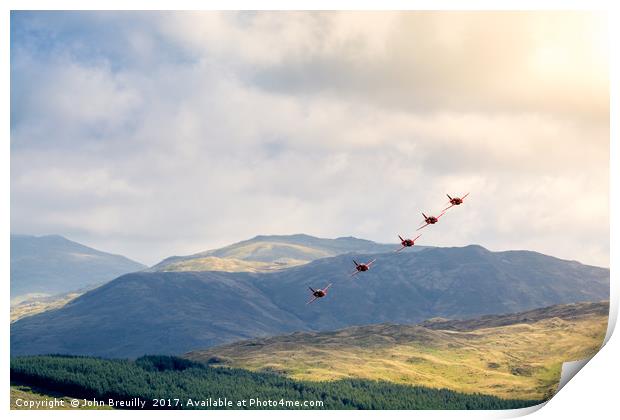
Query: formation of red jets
x=405 y=243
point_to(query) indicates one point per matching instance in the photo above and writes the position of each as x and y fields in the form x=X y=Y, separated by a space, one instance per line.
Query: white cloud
x=179 y=132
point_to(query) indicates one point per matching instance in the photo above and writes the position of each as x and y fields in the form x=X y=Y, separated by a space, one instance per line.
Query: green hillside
x=520 y=358
x=24 y=397
x=187 y=384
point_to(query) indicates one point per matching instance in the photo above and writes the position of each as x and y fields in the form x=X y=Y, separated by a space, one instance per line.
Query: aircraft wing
x=422 y=227
x=311 y=300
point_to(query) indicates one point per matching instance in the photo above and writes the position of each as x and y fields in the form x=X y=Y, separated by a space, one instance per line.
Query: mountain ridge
x=285 y=250
x=174 y=312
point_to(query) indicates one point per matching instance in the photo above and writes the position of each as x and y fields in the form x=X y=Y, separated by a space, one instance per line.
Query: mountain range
x=172 y=312
x=50 y=265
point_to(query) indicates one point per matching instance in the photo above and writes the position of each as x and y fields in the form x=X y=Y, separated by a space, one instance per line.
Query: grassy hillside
x=269 y=253
x=230 y=265
x=521 y=358
x=25 y=397
x=37 y=305
x=163 y=377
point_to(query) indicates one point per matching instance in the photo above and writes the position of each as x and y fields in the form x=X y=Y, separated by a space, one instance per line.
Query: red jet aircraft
x=362 y=267
x=318 y=293
x=456 y=201
x=406 y=243
x=430 y=220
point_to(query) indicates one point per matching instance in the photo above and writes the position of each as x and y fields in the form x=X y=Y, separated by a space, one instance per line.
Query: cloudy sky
x=155 y=134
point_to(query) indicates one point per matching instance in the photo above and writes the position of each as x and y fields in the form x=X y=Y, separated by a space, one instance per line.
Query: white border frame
x=592 y=395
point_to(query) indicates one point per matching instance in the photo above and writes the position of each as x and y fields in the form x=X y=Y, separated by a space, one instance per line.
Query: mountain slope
x=52 y=264
x=270 y=252
x=154 y=312
x=175 y=312
x=510 y=356
x=449 y=282
x=36 y=305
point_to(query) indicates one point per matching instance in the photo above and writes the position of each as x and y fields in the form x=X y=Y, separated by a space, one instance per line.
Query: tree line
x=165 y=377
